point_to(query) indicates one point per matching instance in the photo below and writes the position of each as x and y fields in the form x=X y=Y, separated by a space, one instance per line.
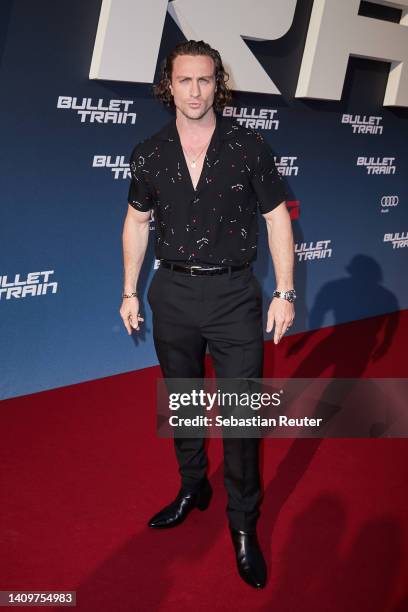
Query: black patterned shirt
x=216 y=223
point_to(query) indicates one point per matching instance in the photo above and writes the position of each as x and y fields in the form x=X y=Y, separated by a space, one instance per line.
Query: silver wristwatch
x=289 y=295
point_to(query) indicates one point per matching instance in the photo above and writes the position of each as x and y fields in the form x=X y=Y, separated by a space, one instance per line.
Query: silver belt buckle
x=201 y=268
x=191 y=270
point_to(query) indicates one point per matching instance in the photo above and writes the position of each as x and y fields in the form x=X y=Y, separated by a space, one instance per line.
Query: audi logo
x=387 y=201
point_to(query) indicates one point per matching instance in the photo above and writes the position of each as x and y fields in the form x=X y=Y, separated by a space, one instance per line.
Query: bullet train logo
x=313 y=250
x=377 y=165
x=388 y=202
x=116 y=163
x=262 y=119
x=99 y=111
x=286 y=165
x=336 y=31
x=399 y=240
x=34 y=284
x=363 y=124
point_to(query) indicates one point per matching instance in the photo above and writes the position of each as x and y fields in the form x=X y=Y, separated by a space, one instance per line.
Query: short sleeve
x=140 y=193
x=265 y=178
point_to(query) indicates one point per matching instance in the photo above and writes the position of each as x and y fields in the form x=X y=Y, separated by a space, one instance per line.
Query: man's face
x=193 y=84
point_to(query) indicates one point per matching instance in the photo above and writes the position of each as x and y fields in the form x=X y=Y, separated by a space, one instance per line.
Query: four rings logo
x=389 y=201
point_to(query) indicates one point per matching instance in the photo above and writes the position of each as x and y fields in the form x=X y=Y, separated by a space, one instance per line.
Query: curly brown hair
x=193 y=47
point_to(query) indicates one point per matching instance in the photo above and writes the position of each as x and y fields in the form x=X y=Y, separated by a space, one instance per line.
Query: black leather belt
x=200 y=270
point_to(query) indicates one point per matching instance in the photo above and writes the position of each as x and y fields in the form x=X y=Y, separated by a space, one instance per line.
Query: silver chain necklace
x=193 y=162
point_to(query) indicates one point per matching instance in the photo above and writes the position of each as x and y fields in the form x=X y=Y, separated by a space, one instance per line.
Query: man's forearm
x=281 y=246
x=135 y=238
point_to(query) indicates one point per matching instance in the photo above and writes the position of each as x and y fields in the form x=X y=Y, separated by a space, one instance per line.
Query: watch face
x=291 y=295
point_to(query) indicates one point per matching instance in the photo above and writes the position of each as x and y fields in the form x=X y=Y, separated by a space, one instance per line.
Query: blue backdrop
x=65 y=183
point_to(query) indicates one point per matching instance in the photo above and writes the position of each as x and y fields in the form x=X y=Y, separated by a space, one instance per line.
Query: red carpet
x=78 y=465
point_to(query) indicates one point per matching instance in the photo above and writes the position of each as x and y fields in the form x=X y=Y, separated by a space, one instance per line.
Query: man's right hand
x=129 y=311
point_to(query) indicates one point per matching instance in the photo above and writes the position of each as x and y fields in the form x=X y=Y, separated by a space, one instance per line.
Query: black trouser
x=225 y=312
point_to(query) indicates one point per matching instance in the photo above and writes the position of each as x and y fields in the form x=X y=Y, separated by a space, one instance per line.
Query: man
x=205 y=176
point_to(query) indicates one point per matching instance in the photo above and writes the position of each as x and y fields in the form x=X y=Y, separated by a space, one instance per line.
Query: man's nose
x=195 y=89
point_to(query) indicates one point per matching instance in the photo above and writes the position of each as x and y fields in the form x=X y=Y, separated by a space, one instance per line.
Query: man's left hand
x=281 y=313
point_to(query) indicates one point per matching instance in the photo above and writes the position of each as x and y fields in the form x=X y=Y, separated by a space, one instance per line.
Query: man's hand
x=129 y=311
x=281 y=313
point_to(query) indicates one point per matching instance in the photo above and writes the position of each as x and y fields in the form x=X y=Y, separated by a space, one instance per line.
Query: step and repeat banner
x=68 y=131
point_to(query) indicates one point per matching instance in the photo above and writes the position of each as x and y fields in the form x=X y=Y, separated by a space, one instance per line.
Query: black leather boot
x=250 y=562
x=176 y=512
